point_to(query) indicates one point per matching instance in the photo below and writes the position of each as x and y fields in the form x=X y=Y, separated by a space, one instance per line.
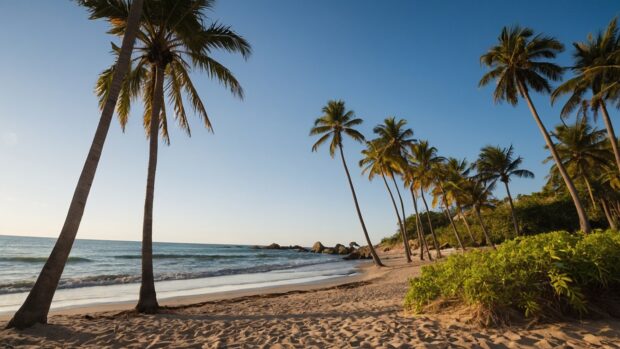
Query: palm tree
x=581 y=150
x=377 y=161
x=396 y=138
x=173 y=40
x=335 y=122
x=478 y=195
x=597 y=51
x=423 y=158
x=495 y=163
x=440 y=176
x=516 y=65
x=410 y=182
x=36 y=307
x=457 y=171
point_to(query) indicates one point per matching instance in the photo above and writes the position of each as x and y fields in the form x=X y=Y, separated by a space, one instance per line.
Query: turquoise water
x=109 y=271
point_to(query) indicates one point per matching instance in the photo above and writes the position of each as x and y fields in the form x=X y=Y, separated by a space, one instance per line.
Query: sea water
x=109 y=271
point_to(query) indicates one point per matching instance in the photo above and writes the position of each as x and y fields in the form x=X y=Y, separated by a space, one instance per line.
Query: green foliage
x=541 y=275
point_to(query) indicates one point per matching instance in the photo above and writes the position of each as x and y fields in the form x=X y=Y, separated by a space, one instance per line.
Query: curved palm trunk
x=402 y=207
x=584 y=224
x=37 y=304
x=610 y=218
x=147 y=303
x=421 y=234
x=484 y=228
x=375 y=257
x=512 y=210
x=447 y=211
x=430 y=225
x=610 y=133
x=400 y=222
x=589 y=188
x=467 y=227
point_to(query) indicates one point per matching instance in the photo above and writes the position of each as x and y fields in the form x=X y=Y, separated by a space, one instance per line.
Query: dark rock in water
x=299 y=248
x=353 y=245
x=329 y=250
x=317 y=247
x=444 y=246
x=273 y=246
x=360 y=253
x=342 y=250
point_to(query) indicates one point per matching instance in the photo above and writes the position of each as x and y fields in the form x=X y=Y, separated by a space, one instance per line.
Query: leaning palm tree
x=581 y=150
x=395 y=138
x=409 y=172
x=37 y=304
x=377 y=162
x=516 y=65
x=174 y=39
x=458 y=171
x=478 y=194
x=597 y=51
x=335 y=122
x=424 y=158
x=440 y=176
x=495 y=163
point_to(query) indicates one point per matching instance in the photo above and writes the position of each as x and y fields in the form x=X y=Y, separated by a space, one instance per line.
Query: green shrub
x=541 y=275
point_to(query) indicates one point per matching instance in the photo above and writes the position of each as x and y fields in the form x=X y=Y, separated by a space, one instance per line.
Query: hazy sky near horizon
x=255 y=180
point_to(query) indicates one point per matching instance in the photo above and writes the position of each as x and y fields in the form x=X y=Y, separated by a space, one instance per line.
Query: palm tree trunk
x=37 y=304
x=610 y=218
x=400 y=222
x=147 y=303
x=610 y=133
x=430 y=225
x=447 y=210
x=467 y=227
x=512 y=210
x=375 y=257
x=584 y=224
x=402 y=207
x=589 y=188
x=421 y=234
x=484 y=228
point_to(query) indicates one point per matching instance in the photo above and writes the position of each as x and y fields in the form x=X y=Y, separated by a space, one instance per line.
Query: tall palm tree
x=424 y=158
x=440 y=176
x=458 y=171
x=581 y=150
x=410 y=182
x=478 y=194
x=597 y=51
x=377 y=161
x=336 y=121
x=495 y=163
x=174 y=39
x=517 y=64
x=396 y=138
x=37 y=304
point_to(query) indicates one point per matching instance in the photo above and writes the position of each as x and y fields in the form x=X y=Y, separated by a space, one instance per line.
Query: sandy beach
x=360 y=311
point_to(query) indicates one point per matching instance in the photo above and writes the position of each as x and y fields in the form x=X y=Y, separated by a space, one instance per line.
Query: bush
x=544 y=275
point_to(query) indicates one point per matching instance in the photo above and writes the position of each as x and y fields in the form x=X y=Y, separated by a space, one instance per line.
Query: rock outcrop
x=317 y=247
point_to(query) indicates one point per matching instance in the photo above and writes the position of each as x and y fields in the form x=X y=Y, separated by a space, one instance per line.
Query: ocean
x=109 y=271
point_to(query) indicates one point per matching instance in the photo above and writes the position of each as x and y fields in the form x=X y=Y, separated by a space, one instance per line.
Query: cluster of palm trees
x=519 y=63
x=163 y=41
x=396 y=157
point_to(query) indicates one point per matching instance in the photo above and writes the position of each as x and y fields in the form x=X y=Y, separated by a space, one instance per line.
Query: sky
x=255 y=180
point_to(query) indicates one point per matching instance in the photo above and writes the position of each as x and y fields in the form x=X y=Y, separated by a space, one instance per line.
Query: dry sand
x=363 y=312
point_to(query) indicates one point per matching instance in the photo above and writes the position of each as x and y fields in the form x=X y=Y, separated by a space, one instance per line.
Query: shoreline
x=361 y=275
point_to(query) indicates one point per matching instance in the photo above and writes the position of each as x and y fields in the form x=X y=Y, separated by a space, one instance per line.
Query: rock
x=317 y=247
x=360 y=253
x=413 y=243
x=273 y=246
x=299 y=248
x=342 y=250
x=444 y=246
x=386 y=249
x=353 y=245
x=329 y=250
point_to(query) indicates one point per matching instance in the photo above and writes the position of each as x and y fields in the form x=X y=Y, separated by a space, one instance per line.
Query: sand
x=365 y=311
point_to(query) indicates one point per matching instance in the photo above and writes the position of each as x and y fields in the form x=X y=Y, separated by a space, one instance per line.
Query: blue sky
x=255 y=180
